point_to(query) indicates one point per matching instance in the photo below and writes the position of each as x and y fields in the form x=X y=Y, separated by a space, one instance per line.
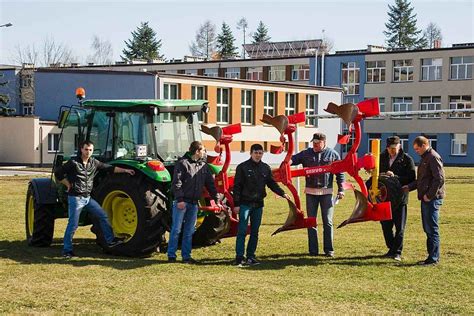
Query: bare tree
x=49 y=53
x=327 y=43
x=205 y=43
x=102 y=51
x=432 y=34
x=243 y=25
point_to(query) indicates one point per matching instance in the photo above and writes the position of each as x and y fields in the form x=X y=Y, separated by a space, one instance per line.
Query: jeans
x=430 y=219
x=327 y=212
x=76 y=205
x=186 y=219
x=393 y=241
x=255 y=215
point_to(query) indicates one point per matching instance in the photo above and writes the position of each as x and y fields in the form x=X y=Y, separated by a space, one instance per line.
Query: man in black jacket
x=78 y=176
x=396 y=163
x=191 y=174
x=251 y=177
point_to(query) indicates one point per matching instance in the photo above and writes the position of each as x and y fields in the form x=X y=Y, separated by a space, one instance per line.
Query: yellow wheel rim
x=200 y=219
x=122 y=213
x=31 y=214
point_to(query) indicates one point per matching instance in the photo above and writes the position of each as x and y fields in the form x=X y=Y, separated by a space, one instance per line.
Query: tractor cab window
x=100 y=133
x=174 y=134
x=132 y=129
x=72 y=130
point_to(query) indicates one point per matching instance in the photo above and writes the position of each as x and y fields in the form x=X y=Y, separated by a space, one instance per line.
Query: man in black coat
x=396 y=163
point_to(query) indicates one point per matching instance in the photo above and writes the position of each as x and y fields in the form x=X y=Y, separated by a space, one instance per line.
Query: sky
x=350 y=24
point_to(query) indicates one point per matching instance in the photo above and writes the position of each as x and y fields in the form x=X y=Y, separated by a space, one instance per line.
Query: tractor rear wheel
x=390 y=191
x=39 y=221
x=210 y=227
x=136 y=209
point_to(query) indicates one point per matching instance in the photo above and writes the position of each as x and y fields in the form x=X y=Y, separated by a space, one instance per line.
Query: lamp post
x=6 y=25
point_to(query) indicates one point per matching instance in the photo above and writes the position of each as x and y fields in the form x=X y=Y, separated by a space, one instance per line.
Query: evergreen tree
x=4 y=99
x=225 y=43
x=261 y=35
x=143 y=44
x=401 y=27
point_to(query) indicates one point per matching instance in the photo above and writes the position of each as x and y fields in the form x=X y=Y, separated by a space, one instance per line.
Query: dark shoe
x=252 y=262
x=171 y=259
x=312 y=254
x=68 y=255
x=115 y=242
x=240 y=262
x=397 y=257
x=329 y=254
x=428 y=262
x=190 y=261
x=389 y=254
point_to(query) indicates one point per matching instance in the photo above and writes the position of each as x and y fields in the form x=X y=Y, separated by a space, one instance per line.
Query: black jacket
x=249 y=183
x=81 y=176
x=190 y=177
x=403 y=167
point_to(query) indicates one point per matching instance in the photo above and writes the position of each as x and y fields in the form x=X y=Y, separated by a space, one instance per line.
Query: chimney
x=437 y=43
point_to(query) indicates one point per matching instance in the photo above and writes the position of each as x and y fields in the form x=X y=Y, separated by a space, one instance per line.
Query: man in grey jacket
x=191 y=175
x=319 y=189
x=430 y=188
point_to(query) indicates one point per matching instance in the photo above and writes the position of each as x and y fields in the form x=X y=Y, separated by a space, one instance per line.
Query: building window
x=430 y=104
x=255 y=73
x=350 y=78
x=211 y=72
x=222 y=105
x=192 y=72
x=53 y=143
x=460 y=103
x=375 y=71
x=311 y=109
x=382 y=105
x=290 y=104
x=432 y=140
x=246 y=111
x=28 y=108
x=232 y=73
x=27 y=81
x=403 y=70
x=459 y=145
x=404 y=142
x=198 y=93
x=269 y=103
x=300 y=72
x=170 y=92
x=277 y=73
x=347 y=147
x=461 y=67
x=371 y=137
x=431 y=69
x=402 y=104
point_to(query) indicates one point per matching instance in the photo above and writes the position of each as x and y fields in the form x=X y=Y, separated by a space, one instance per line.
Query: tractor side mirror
x=62 y=118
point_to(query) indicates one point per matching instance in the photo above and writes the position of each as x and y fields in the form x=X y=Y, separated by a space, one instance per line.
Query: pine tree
x=401 y=27
x=261 y=35
x=4 y=99
x=225 y=43
x=143 y=44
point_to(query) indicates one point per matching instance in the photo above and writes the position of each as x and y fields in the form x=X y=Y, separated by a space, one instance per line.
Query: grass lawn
x=357 y=280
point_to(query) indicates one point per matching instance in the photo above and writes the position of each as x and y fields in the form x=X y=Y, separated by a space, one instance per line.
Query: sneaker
x=239 y=261
x=68 y=255
x=252 y=262
x=171 y=259
x=389 y=254
x=115 y=242
x=190 y=261
x=329 y=254
x=397 y=257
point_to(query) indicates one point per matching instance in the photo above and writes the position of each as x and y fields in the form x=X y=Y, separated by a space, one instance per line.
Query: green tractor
x=146 y=135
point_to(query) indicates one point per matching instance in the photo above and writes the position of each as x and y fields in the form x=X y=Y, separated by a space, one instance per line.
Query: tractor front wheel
x=39 y=221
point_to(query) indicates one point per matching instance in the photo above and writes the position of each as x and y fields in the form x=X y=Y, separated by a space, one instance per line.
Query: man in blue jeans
x=430 y=188
x=319 y=190
x=251 y=177
x=191 y=174
x=78 y=176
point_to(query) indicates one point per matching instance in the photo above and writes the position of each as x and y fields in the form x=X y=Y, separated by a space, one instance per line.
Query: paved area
x=4 y=173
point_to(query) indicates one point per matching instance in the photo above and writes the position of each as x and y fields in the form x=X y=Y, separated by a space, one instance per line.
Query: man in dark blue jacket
x=191 y=174
x=78 y=176
x=394 y=162
x=251 y=178
x=319 y=190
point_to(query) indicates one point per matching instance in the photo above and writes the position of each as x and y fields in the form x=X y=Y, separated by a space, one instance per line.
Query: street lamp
x=6 y=25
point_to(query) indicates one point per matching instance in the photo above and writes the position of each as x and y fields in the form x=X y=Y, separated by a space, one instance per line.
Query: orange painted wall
x=258 y=107
x=235 y=105
x=185 y=91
